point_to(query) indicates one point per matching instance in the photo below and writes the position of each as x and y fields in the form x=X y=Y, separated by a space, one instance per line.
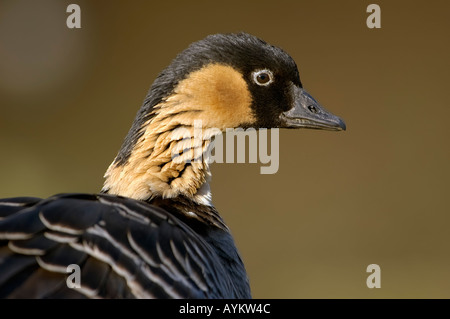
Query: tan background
x=377 y=193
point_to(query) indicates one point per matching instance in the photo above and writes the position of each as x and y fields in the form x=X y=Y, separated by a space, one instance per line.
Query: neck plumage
x=163 y=156
x=167 y=160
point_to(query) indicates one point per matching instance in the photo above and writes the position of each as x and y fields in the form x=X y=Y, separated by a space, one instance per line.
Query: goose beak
x=308 y=113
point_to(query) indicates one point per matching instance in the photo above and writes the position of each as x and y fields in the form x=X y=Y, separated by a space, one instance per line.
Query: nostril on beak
x=312 y=109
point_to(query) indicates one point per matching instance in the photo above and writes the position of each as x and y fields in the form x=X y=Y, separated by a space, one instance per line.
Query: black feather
x=22 y=224
x=9 y=206
x=72 y=216
x=58 y=259
x=36 y=245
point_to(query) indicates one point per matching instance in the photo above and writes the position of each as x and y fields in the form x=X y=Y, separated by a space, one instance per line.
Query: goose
x=153 y=231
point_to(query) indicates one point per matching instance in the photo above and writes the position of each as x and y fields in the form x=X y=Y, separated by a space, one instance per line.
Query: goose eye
x=263 y=77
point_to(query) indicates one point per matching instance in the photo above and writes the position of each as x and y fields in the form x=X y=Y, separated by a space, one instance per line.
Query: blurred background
x=375 y=194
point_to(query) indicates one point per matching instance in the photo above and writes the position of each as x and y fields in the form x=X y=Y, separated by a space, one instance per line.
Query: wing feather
x=125 y=249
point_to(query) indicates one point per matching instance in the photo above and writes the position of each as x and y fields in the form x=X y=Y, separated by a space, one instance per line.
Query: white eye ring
x=262 y=77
